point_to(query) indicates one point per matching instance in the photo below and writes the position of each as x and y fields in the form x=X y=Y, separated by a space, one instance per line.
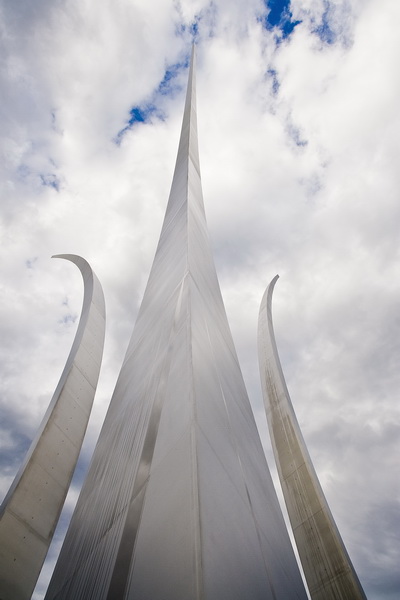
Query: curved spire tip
x=266 y=299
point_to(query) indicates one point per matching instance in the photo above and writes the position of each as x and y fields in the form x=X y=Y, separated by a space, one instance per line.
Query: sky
x=299 y=134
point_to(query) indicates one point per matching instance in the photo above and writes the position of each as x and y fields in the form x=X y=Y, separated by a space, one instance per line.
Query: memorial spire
x=179 y=503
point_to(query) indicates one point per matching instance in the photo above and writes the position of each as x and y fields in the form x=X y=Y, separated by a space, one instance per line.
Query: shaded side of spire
x=327 y=566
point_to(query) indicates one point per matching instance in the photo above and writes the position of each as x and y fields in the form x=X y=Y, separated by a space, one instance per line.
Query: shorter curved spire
x=32 y=506
x=327 y=567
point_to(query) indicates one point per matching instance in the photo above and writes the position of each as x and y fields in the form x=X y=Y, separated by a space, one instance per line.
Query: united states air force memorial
x=178 y=503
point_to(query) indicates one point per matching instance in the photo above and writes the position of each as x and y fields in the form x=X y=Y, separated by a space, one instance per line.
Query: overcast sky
x=299 y=128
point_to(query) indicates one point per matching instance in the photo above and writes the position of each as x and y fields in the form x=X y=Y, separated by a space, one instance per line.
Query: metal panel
x=327 y=567
x=30 y=511
x=178 y=503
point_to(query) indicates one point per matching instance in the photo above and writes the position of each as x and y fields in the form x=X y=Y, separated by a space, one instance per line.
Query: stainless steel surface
x=327 y=567
x=31 y=509
x=179 y=503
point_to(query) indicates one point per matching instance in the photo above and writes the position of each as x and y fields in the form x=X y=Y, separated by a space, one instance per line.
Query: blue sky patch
x=137 y=115
x=295 y=134
x=182 y=29
x=141 y=114
x=274 y=81
x=280 y=16
x=168 y=86
x=204 y=20
x=324 y=31
x=194 y=28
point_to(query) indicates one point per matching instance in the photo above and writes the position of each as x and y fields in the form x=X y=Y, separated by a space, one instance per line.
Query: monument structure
x=178 y=503
x=327 y=567
x=32 y=506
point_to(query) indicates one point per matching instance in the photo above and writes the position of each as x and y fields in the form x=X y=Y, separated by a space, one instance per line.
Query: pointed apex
x=192 y=67
x=191 y=88
x=193 y=54
x=187 y=162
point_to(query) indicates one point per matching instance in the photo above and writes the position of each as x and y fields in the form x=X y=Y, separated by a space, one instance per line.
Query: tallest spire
x=188 y=145
x=178 y=503
x=186 y=183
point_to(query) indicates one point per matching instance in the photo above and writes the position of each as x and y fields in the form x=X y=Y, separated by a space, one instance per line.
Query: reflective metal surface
x=30 y=511
x=178 y=503
x=326 y=564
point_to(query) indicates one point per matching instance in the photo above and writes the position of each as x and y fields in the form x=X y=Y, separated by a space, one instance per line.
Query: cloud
x=298 y=147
